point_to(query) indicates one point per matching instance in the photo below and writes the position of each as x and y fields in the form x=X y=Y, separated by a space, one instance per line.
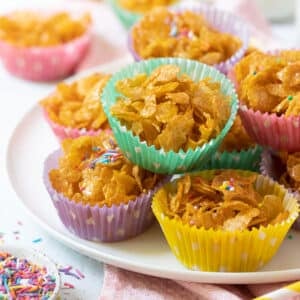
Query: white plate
x=148 y=253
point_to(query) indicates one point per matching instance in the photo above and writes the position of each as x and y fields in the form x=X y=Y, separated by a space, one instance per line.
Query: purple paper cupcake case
x=100 y=224
x=218 y=19
x=272 y=167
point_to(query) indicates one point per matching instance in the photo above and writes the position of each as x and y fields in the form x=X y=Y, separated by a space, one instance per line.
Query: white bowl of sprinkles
x=27 y=273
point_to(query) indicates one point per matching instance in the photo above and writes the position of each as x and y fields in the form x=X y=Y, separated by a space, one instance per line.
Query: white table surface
x=17 y=96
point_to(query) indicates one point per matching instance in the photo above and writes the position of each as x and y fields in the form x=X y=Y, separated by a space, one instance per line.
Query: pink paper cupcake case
x=62 y=132
x=277 y=132
x=272 y=167
x=44 y=63
x=220 y=20
x=268 y=129
x=100 y=224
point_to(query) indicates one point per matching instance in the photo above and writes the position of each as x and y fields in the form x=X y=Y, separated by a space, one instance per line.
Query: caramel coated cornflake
x=94 y=171
x=290 y=177
x=169 y=110
x=237 y=138
x=228 y=201
x=77 y=105
x=162 y=33
x=143 y=6
x=270 y=83
x=30 y=29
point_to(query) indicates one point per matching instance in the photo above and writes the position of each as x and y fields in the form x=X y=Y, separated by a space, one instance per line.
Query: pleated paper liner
x=218 y=19
x=225 y=251
x=267 y=129
x=148 y=157
x=231 y=76
x=272 y=166
x=246 y=159
x=45 y=63
x=100 y=224
x=63 y=132
x=126 y=17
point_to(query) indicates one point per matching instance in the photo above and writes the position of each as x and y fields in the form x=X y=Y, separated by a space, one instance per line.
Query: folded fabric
x=120 y=284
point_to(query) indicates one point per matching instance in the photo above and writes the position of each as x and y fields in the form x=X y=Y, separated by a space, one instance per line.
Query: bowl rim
x=20 y=250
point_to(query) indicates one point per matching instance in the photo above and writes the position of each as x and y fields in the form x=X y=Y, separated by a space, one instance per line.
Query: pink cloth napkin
x=120 y=284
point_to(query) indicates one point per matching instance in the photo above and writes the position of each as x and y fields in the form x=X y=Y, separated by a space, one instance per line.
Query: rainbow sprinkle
x=38 y=240
x=79 y=273
x=22 y=280
x=69 y=285
x=227 y=185
x=109 y=156
x=68 y=271
x=96 y=149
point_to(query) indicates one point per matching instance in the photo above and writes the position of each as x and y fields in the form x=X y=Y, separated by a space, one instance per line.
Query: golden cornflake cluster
x=237 y=138
x=270 y=83
x=29 y=29
x=143 y=6
x=77 y=105
x=291 y=176
x=171 y=111
x=228 y=201
x=94 y=171
x=162 y=33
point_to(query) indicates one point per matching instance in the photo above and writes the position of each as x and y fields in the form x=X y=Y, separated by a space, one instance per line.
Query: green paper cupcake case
x=246 y=159
x=126 y=17
x=150 y=158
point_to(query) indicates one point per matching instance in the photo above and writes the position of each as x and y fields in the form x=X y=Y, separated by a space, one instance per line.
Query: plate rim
x=193 y=276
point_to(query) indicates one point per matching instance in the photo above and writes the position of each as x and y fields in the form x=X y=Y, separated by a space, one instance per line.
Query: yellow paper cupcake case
x=225 y=251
